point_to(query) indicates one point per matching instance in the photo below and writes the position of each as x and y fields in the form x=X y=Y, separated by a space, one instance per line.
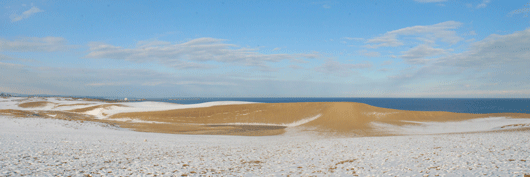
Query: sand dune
x=344 y=118
x=35 y=104
x=255 y=119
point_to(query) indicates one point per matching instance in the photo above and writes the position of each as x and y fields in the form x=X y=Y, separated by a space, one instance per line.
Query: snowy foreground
x=46 y=147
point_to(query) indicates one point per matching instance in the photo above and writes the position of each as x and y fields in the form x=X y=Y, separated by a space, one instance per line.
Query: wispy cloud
x=192 y=54
x=354 y=38
x=418 y=54
x=34 y=44
x=442 y=31
x=369 y=54
x=25 y=14
x=470 y=33
x=523 y=10
x=483 y=4
x=388 y=62
x=499 y=59
x=98 y=84
x=10 y=64
x=341 y=69
x=4 y=57
x=495 y=50
x=150 y=84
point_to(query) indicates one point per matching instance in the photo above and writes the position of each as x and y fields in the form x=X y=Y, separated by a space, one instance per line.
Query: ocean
x=459 y=105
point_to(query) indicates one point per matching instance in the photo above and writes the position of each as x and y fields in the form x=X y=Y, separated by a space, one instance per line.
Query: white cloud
x=342 y=69
x=494 y=50
x=354 y=38
x=483 y=4
x=25 y=14
x=8 y=58
x=499 y=59
x=369 y=54
x=10 y=64
x=151 y=84
x=4 y=57
x=524 y=10
x=191 y=54
x=429 y=1
x=275 y=49
x=470 y=40
x=387 y=62
x=418 y=54
x=325 y=4
x=470 y=33
x=98 y=84
x=34 y=44
x=441 y=31
x=295 y=67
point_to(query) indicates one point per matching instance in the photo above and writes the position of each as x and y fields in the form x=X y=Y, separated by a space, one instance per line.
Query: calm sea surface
x=461 y=105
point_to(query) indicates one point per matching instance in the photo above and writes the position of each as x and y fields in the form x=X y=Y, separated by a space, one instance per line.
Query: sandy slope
x=49 y=147
x=343 y=118
x=246 y=118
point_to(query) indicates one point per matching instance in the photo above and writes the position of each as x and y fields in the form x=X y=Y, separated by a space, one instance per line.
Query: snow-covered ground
x=473 y=125
x=102 y=113
x=47 y=147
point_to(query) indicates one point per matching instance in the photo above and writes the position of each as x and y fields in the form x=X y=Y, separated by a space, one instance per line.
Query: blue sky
x=409 y=48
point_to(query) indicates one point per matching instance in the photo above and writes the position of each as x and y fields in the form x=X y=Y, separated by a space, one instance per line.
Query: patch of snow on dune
x=293 y=124
x=98 y=112
x=378 y=114
x=473 y=125
x=12 y=103
x=138 y=121
x=163 y=106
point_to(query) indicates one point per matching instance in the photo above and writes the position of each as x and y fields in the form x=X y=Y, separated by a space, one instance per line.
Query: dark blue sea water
x=460 y=105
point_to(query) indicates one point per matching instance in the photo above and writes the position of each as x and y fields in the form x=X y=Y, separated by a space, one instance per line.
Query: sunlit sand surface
x=261 y=119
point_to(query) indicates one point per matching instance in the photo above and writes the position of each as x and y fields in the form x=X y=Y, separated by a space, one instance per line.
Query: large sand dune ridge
x=258 y=119
x=345 y=118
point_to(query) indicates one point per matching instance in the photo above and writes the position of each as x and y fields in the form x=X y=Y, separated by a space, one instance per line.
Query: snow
x=473 y=125
x=103 y=113
x=48 y=147
x=161 y=106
